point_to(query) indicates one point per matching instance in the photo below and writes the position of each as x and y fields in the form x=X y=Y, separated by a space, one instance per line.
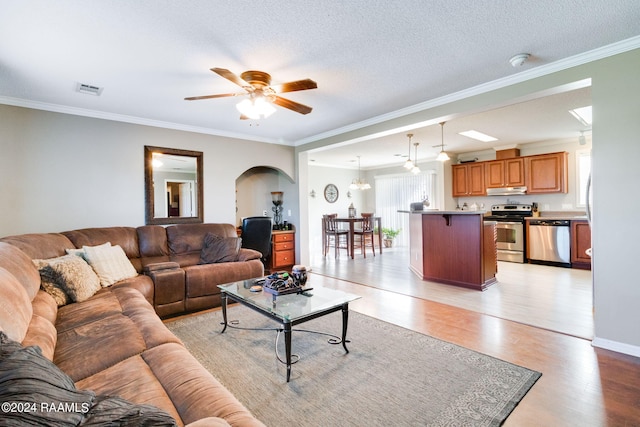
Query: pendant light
x=408 y=165
x=442 y=156
x=415 y=169
x=357 y=183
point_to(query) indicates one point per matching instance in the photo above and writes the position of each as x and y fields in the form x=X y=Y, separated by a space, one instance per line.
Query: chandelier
x=358 y=183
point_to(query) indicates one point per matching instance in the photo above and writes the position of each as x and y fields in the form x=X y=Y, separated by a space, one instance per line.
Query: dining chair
x=333 y=232
x=365 y=234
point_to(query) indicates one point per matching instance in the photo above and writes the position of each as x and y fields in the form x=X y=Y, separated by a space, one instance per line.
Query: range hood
x=506 y=191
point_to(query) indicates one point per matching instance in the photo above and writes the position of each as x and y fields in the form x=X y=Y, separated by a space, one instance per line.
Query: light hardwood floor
x=554 y=298
x=580 y=386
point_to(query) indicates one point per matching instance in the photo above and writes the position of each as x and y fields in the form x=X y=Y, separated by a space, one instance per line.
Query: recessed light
x=474 y=134
x=583 y=114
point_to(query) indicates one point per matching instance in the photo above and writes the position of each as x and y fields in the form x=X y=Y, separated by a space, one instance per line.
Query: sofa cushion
x=219 y=249
x=125 y=237
x=40 y=245
x=134 y=380
x=15 y=306
x=19 y=264
x=41 y=331
x=110 y=263
x=69 y=273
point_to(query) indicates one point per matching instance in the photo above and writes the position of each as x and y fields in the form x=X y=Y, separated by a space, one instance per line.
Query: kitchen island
x=453 y=247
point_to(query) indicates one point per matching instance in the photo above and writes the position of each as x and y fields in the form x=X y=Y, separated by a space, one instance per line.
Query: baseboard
x=631 y=350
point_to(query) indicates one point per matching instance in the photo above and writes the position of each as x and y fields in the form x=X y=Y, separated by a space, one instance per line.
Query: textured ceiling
x=369 y=58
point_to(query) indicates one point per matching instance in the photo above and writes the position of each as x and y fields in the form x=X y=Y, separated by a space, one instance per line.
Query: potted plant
x=388 y=235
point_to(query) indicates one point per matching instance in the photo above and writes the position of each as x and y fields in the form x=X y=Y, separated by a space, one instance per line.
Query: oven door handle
x=499 y=223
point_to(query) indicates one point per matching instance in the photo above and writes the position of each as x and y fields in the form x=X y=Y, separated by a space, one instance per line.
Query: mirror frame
x=148 y=186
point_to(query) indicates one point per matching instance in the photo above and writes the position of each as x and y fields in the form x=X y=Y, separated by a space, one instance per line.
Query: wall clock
x=331 y=193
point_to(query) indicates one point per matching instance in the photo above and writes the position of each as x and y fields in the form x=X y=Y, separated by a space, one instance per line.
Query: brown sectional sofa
x=115 y=343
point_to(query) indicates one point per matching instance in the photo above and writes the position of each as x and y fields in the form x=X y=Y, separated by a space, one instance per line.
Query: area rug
x=390 y=377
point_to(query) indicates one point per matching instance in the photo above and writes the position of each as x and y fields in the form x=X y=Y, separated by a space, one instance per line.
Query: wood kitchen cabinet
x=546 y=173
x=504 y=173
x=453 y=247
x=580 y=242
x=468 y=180
x=283 y=250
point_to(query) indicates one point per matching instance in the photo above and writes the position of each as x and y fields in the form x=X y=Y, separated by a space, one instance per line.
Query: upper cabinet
x=504 y=173
x=543 y=173
x=547 y=173
x=468 y=180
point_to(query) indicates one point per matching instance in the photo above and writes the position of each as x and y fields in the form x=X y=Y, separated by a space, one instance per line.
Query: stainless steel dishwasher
x=549 y=242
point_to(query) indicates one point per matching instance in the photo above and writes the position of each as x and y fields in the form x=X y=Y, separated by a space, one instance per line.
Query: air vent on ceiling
x=89 y=89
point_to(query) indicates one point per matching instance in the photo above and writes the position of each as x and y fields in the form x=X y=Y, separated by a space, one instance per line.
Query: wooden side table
x=283 y=250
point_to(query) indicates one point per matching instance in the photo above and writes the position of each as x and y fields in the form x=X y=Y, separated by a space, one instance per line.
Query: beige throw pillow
x=110 y=263
x=69 y=274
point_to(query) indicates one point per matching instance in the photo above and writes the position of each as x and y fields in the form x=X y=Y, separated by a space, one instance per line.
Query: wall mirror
x=173 y=186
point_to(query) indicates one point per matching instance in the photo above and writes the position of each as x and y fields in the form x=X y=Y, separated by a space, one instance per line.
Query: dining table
x=352 y=226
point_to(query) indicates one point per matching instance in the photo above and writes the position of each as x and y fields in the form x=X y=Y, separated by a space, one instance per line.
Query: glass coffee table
x=290 y=310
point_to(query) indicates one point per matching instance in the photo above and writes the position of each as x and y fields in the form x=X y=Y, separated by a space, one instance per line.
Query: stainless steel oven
x=510 y=241
x=510 y=235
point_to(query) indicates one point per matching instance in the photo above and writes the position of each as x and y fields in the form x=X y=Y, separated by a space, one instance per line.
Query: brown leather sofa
x=114 y=343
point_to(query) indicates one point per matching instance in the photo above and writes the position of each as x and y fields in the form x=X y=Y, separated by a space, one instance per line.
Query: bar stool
x=331 y=231
x=366 y=233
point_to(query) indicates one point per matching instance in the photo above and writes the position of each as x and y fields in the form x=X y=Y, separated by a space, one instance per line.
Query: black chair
x=256 y=234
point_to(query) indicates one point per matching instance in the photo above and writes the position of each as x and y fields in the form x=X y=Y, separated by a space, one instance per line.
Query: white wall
x=60 y=172
x=318 y=178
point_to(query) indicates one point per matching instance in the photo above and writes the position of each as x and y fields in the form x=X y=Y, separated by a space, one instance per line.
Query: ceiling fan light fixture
x=256 y=108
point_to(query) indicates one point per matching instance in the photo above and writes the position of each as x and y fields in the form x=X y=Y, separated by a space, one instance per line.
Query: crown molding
x=543 y=70
x=563 y=64
x=57 y=108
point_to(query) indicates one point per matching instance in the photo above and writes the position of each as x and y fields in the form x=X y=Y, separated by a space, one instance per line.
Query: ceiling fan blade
x=291 y=105
x=232 y=78
x=221 y=95
x=295 y=86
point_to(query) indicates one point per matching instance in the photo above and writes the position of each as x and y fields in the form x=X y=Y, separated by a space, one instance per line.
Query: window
x=397 y=192
x=583 y=170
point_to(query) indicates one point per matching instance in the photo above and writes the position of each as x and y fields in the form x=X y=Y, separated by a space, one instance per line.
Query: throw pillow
x=110 y=263
x=59 y=295
x=219 y=249
x=70 y=274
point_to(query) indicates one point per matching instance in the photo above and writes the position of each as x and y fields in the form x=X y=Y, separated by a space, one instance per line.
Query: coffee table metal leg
x=287 y=344
x=223 y=298
x=345 y=322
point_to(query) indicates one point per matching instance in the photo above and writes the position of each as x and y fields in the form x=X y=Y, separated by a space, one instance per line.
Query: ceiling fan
x=257 y=85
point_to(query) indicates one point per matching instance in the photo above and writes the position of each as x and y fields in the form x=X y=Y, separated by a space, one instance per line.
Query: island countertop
x=438 y=212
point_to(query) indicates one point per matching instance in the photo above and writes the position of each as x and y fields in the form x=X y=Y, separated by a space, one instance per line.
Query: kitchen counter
x=438 y=212
x=453 y=247
x=559 y=217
